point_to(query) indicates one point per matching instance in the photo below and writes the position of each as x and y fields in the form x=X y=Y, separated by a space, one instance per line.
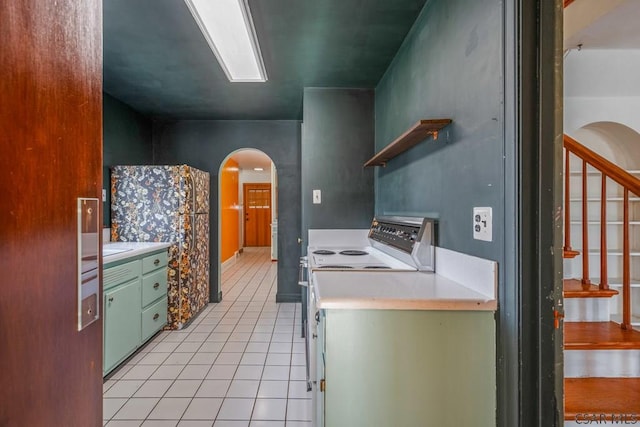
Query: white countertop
x=396 y=291
x=461 y=282
x=129 y=249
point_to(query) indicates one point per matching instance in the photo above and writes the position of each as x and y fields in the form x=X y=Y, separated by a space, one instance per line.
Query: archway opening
x=248 y=208
x=616 y=142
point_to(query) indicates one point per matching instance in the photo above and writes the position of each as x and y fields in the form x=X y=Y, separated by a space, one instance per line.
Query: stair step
x=602 y=398
x=599 y=336
x=573 y=288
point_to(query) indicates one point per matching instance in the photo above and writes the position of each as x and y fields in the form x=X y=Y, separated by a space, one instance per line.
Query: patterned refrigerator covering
x=168 y=204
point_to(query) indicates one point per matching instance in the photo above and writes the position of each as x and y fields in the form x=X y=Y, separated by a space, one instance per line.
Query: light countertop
x=396 y=291
x=461 y=282
x=117 y=251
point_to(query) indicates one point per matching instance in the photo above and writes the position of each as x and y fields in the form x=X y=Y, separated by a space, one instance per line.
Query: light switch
x=104 y=195
x=317 y=197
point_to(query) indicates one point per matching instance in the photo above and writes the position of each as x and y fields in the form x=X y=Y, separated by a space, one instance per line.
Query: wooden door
x=51 y=139
x=257 y=214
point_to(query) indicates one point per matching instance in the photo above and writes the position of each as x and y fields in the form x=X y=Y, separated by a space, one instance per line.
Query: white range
x=391 y=244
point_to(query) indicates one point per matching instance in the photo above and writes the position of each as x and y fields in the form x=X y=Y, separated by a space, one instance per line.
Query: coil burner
x=353 y=252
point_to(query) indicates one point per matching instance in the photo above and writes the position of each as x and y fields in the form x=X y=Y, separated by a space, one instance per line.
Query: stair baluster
x=626 y=266
x=567 y=204
x=604 y=274
x=586 y=282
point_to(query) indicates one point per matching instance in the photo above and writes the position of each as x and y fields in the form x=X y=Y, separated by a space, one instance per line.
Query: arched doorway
x=616 y=142
x=247 y=205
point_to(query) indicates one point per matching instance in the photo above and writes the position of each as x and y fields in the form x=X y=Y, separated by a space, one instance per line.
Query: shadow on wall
x=614 y=141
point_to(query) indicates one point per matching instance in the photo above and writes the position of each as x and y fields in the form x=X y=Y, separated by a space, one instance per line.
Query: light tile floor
x=240 y=363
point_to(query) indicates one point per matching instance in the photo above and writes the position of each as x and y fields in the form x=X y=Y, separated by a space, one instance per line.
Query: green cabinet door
x=122 y=326
x=407 y=368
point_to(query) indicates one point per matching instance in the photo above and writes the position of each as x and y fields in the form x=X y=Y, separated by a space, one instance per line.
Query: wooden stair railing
x=629 y=184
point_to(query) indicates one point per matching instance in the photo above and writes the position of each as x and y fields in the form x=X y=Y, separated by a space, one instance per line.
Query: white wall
x=601 y=85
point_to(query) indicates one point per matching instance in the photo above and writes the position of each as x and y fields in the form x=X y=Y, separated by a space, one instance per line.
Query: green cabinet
x=122 y=329
x=135 y=304
x=406 y=368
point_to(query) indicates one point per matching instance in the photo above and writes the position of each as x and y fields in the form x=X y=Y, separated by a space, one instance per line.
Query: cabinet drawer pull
x=156 y=262
x=156 y=286
x=110 y=299
x=155 y=316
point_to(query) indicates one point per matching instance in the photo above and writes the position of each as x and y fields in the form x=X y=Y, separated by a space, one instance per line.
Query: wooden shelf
x=415 y=134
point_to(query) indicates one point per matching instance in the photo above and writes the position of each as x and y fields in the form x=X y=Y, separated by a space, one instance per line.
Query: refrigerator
x=168 y=204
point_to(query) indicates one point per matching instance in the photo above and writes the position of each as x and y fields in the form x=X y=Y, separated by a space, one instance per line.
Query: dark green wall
x=337 y=139
x=126 y=141
x=205 y=144
x=450 y=66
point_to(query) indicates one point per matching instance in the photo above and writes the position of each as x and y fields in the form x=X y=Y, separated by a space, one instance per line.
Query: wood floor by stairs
x=602 y=398
x=611 y=397
x=599 y=336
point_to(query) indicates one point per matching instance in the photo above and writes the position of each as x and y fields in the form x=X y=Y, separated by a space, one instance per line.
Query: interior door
x=51 y=138
x=257 y=214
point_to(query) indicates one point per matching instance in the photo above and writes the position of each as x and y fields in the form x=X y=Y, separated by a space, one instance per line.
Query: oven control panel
x=399 y=235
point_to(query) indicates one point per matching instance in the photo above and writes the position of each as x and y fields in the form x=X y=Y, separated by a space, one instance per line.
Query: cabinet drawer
x=153 y=262
x=154 y=285
x=154 y=318
x=113 y=276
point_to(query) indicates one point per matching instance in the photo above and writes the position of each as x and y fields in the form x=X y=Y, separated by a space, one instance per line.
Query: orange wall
x=230 y=226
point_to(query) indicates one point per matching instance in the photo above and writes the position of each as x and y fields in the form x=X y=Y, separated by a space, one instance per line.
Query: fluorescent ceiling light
x=258 y=169
x=228 y=28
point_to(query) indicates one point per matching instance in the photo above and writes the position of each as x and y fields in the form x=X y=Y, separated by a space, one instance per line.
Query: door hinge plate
x=557 y=317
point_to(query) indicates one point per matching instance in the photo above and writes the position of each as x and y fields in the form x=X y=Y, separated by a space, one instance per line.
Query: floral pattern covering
x=168 y=204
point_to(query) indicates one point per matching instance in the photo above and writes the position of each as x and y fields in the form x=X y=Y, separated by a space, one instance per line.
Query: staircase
x=601 y=290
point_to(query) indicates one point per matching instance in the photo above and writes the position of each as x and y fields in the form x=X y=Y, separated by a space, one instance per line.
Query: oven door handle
x=306 y=353
x=304 y=265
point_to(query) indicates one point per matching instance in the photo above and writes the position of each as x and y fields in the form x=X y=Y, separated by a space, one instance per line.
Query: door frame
x=529 y=362
x=245 y=186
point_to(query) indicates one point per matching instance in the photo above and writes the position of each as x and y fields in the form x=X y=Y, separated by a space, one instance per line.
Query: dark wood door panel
x=51 y=139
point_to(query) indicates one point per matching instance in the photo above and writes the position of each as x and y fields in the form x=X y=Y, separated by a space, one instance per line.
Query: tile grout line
x=246 y=308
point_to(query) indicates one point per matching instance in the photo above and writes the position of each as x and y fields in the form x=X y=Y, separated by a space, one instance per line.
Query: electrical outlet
x=317 y=197
x=482 y=225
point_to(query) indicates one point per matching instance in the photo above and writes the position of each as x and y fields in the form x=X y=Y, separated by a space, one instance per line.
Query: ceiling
x=597 y=24
x=249 y=159
x=157 y=61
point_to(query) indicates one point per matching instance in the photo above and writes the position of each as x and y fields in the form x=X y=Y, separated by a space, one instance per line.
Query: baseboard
x=217 y=298
x=228 y=263
x=282 y=297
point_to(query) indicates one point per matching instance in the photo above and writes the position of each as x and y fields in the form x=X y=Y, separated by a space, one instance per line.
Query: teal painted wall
x=449 y=66
x=126 y=141
x=337 y=139
x=205 y=144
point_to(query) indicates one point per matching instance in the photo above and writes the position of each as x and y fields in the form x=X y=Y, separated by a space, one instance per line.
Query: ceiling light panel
x=228 y=28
